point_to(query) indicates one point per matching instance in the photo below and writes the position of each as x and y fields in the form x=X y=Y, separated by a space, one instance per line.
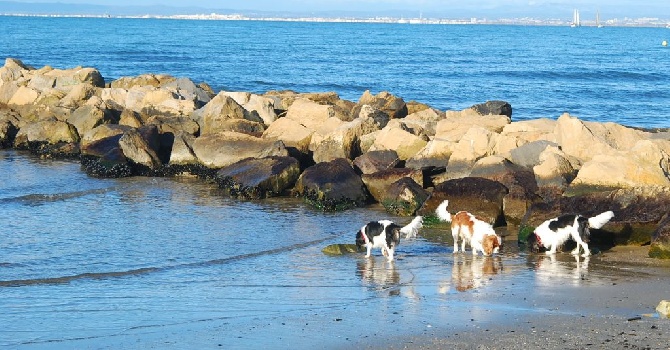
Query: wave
x=150 y=270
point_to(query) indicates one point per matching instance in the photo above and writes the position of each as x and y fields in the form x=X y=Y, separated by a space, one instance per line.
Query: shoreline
x=616 y=316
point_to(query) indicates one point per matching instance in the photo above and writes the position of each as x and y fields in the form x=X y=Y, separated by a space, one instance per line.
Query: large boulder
x=374 y=161
x=46 y=132
x=476 y=144
x=291 y=132
x=481 y=197
x=585 y=140
x=13 y=70
x=331 y=186
x=554 y=170
x=257 y=178
x=87 y=117
x=143 y=80
x=378 y=183
x=647 y=163
x=262 y=105
x=182 y=149
x=342 y=142
x=101 y=132
x=532 y=130
x=225 y=148
x=493 y=108
x=395 y=107
x=222 y=107
x=174 y=124
x=142 y=147
x=395 y=137
x=404 y=197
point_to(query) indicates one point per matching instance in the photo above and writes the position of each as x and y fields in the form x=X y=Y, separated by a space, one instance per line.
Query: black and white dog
x=552 y=233
x=385 y=234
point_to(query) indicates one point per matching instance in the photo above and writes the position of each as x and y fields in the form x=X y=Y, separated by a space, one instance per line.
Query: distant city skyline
x=409 y=8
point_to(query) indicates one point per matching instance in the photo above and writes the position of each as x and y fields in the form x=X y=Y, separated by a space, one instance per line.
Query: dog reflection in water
x=380 y=274
x=471 y=272
x=551 y=270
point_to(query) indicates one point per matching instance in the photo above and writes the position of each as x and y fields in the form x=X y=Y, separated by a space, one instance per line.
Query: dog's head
x=360 y=239
x=491 y=244
x=583 y=228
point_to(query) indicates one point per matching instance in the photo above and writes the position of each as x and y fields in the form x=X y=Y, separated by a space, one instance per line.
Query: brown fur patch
x=462 y=219
x=489 y=243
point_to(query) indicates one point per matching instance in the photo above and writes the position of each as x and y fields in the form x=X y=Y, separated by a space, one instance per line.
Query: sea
x=173 y=263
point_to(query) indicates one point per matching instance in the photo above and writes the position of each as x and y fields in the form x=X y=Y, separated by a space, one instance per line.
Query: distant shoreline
x=627 y=22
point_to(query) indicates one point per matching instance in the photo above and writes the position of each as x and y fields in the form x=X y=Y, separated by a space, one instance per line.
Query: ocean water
x=609 y=74
x=172 y=263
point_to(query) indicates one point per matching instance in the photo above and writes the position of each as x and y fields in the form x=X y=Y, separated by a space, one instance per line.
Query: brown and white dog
x=385 y=235
x=469 y=229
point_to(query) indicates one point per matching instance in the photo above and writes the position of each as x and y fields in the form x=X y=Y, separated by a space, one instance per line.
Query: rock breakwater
x=338 y=154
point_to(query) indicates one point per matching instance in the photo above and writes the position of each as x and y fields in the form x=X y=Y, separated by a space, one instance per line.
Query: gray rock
x=331 y=186
x=257 y=178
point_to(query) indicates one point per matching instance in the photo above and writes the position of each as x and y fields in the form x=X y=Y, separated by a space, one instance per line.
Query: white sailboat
x=598 y=24
x=575 y=19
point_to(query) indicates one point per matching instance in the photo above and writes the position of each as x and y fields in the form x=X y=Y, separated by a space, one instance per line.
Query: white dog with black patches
x=552 y=233
x=385 y=235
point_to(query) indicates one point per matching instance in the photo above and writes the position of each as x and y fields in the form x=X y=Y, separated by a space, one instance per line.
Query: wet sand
x=429 y=298
x=620 y=315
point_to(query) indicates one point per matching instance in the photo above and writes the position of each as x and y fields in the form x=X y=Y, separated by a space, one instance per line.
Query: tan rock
x=476 y=144
x=262 y=105
x=646 y=164
x=584 y=140
x=290 y=132
x=49 y=131
x=24 y=96
x=182 y=150
x=220 y=149
x=309 y=113
x=343 y=142
x=531 y=130
x=426 y=118
x=102 y=132
x=130 y=118
x=554 y=169
x=403 y=142
x=221 y=107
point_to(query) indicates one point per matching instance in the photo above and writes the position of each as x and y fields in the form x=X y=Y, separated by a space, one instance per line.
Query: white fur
x=412 y=229
x=600 y=220
x=442 y=212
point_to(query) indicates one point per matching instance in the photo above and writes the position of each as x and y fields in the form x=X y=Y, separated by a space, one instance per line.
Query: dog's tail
x=442 y=212
x=412 y=229
x=600 y=220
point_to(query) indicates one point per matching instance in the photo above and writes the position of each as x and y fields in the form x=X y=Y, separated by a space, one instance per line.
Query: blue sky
x=549 y=8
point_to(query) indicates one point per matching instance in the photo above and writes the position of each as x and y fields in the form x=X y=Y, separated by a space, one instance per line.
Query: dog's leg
x=587 y=252
x=368 y=246
x=552 y=250
x=455 y=234
x=389 y=254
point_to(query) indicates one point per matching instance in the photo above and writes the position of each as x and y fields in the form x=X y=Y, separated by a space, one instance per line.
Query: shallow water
x=169 y=263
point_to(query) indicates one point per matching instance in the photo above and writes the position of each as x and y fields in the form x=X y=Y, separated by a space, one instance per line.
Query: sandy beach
x=616 y=315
